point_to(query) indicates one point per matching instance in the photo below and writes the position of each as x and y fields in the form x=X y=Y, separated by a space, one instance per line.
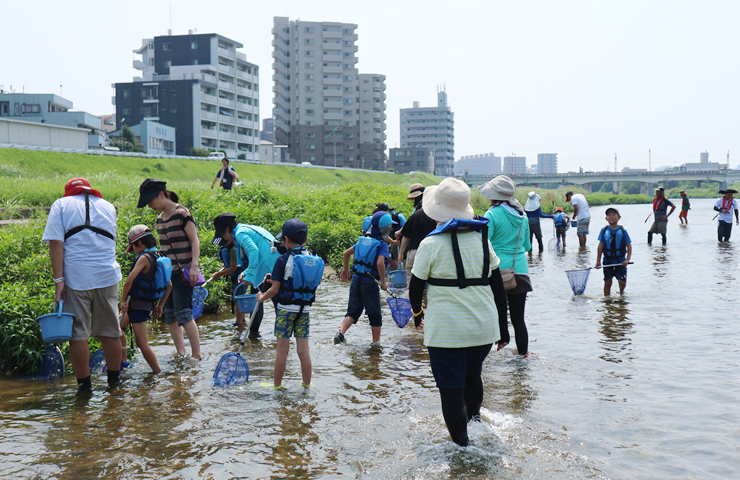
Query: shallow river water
x=640 y=386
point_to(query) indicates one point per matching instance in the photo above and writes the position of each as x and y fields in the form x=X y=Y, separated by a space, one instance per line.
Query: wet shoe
x=338 y=338
x=309 y=385
x=126 y=365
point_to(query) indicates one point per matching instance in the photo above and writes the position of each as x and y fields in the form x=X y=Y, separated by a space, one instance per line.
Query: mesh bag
x=199 y=300
x=232 y=369
x=97 y=361
x=578 y=280
x=52 y=364
x=401 y=311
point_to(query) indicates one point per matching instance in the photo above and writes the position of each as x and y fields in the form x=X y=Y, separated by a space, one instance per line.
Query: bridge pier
x=646 y=188
x=588 y=187
x=615 y=188
x=722 y=185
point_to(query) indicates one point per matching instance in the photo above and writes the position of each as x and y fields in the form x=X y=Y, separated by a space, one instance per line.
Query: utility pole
x=650 y=160
x=615 y=162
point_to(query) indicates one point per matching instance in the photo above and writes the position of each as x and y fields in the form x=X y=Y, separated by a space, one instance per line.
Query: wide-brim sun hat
x=415 y=190
x=449 y=199
x=501 y=189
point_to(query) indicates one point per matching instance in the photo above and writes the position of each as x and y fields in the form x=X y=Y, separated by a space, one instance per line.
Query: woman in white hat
x=465 y=296
x=508 y=231
x=533 y=209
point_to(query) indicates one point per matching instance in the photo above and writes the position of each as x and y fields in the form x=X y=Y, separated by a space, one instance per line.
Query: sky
x=654 y=82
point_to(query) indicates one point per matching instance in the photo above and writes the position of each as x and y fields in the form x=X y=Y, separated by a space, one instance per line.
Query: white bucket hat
x=449 y=199
x=502 y=189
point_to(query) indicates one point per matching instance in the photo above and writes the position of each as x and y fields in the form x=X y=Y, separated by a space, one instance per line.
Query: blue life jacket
x=452 y=226
x=399 y=219
x=303 y=273
x=559 y=220
x=615 y=244
x=225 y=258
x=366 y=256
x=152 y=285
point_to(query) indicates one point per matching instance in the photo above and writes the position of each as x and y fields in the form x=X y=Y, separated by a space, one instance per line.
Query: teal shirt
x=254 y=244
x=503 y=231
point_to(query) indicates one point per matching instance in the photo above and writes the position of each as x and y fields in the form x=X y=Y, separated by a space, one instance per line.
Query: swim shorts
x=287 y=325
x=620 y=273
x=583 y=225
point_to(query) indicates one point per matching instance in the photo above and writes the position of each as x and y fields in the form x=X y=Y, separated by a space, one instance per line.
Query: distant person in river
x=616 y=246
x=368 y=270
x=660 y=211
x=81 y=233
x=581 y=214
x=533 y=210
x=726 y=206
x=226 y=175
x=683 y=216
x=467 y=302
x=561 y=224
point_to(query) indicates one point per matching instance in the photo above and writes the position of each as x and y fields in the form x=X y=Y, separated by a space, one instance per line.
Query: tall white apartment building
x=547 y=163
x=481 y=164
x=372 y=121
x=201 y=85
x=316 y=93
x=515 y=165
x=434 y=128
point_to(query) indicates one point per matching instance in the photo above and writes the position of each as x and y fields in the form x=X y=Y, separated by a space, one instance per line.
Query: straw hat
x=502 y=189
x=415 y=190
x=449 y=199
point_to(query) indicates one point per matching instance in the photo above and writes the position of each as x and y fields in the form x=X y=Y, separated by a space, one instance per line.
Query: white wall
x=41 y=134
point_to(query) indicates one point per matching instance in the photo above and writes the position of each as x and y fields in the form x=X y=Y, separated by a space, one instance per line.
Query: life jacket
x=399 y=219
x=152 y=285
x=225 y=258
x=452 y=226
x=87 y=225
x=366 y=223
x=615 y=244
x=559 y=220
x=366 y=256
x=303 y=273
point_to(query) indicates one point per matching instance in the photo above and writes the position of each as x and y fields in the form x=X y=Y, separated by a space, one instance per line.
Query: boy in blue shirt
x=368 y=269
x=616 y=246
x=294 y=301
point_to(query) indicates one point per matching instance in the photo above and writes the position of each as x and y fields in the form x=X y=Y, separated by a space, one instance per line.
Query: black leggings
x=536 y=231
x=516 y=314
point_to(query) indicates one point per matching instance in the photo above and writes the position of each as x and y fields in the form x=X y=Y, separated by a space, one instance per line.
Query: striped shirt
x=173 y=241
x=455 y=317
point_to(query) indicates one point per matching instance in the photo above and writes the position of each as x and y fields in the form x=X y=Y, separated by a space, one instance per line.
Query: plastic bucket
x=246 y=303
x=574 y=223
x=56 y=327
x=398 y=278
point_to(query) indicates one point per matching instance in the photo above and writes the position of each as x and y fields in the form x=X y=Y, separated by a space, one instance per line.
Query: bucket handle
x=59 y=309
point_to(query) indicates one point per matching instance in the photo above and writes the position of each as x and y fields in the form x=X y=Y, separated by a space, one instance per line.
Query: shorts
x=393 y=252
x=179 y=305
x=583 y=225
x=620 y=273
x=451 y=366
x=364 y=296
x=95 y=311
x=683 y=214
x=287 y=325
x=658 y=227
x=410 y=257
x=560 y=231
x=138 y=316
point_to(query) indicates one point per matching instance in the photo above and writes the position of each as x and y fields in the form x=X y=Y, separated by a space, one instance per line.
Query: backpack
x=399 y=219
x=366 y=256
x=303 y=273
x=152 y=285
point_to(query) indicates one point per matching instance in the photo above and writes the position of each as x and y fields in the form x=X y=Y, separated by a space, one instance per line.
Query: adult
x=660 y=211
x=226 y=175
x=508 y=231
x=725 y=206
x=178 y=240
x=81 y=233
x=581 y=214
x=683 y=216
x=417 y=227
x=534 y=212
x=255 y=252
x=416 y=194
x=466 y=302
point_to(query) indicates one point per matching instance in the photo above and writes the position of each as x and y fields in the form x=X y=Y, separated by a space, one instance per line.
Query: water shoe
x=338 y=338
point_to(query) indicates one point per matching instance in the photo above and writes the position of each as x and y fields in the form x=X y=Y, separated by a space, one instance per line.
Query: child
x=228 y=256
x=615 y=244
x=561 y=224
x=148 y=281
x=294 y=280
x=368 y=267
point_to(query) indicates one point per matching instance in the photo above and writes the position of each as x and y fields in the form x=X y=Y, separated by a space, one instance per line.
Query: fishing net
x=578 y=280
x=401 y=311
x=52 y=364
x=97 y=362
x=555 y=245
x=199 y=300
x=232 y=369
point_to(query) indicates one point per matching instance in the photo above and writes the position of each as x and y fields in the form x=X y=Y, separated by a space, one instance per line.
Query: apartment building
x=434 y=128
x=411 y=159
x=200 y=85
x=372 y=121
x=515 y=165
x=481 y=164
x=547 y=163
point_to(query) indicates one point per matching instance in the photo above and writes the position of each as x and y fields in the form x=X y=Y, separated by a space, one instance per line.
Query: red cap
x=77 y=186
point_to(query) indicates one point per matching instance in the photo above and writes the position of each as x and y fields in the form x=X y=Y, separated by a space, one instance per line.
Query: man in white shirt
x=81 y=233
x=726 y=206
x=580 y=212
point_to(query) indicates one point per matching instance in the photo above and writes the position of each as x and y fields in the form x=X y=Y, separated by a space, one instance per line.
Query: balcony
x=332 y=104
x=332 y=57
x=227 y=119
x=139 y=65
x=245 y=138
x=226 y=102
x=206 y=77
x=204 y=97
x=333 y=116
x=245 y=107
x=150 y=100
x=332 y=46
x=331 y=81
x=227 y=135
x=332 y=69
x=226 y=85
x=208 y=115
x=337 y=35
x=245 y=76
x=244 y=90
x=208 y=132
x=225 y=52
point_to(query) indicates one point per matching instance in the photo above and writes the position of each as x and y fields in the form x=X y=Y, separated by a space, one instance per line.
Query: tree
x=128 y=142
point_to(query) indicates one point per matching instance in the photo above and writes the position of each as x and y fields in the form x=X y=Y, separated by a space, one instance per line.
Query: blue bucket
x=56 y=327
x=574 y=223
x=245 y=303
x=398 y=279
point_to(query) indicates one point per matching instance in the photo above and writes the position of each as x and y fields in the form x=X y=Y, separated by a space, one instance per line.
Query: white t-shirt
x=457 y=318
x=726 y=217
x=89 y=258
x=580 y=200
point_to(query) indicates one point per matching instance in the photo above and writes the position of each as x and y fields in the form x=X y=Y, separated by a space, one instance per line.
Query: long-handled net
x=578 y=280
x=199 y=300
x=97 y=361
x=233 y=369
x=401 y=310
x=52 y=364
x=555 y=245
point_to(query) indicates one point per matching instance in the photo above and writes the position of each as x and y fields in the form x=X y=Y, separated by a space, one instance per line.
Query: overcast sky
x=582 y=78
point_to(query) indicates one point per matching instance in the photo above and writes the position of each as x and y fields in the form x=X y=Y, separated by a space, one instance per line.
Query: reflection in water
x=615 y=327
x=292 y=451
x=508 y=382
x=660 y=258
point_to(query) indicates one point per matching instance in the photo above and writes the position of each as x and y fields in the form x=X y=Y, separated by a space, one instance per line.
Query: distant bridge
x=647 y=179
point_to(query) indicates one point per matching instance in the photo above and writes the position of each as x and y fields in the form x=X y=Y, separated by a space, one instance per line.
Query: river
x=640 y=386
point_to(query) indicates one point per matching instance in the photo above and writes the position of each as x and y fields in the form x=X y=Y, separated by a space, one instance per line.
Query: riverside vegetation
x=332 y=203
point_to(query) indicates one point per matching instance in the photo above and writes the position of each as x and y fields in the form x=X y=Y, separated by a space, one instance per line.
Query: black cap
x=295 y=230
x=221 y=222
x=148 y=191
x=611 y=209
x=384 y=207
x=568 y=194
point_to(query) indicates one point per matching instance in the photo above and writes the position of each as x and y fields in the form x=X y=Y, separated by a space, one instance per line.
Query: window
x=145 y=110
x=310 y=88
x=347 y=89
x=173 y=110
x=151 y=62
x=420 y=153
x=348 y=65
x=348 y=112
x=151 y=45
x=126 y=111
x=348 y=77
x=349 y=147
x=193 y=45
x=310 y=158
x=349 y=135
x=309 y=41
x=167 y=63
x=311 y=147
x=126 y=94
x=347 y=54
x=310 y=135
x=309 y=112
x=310 y=123
x=348 y=158
x=309 y=29
x=309 y=100
x=30 y=108
x=348 y=124
x=309 y=53
x=165 y=46
x=348 y=100
x=366 y=112
x=195 y=61
x=420 y=164
x=347 y=30
x=347 y=42
x=173 y=93
x=309 y=76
